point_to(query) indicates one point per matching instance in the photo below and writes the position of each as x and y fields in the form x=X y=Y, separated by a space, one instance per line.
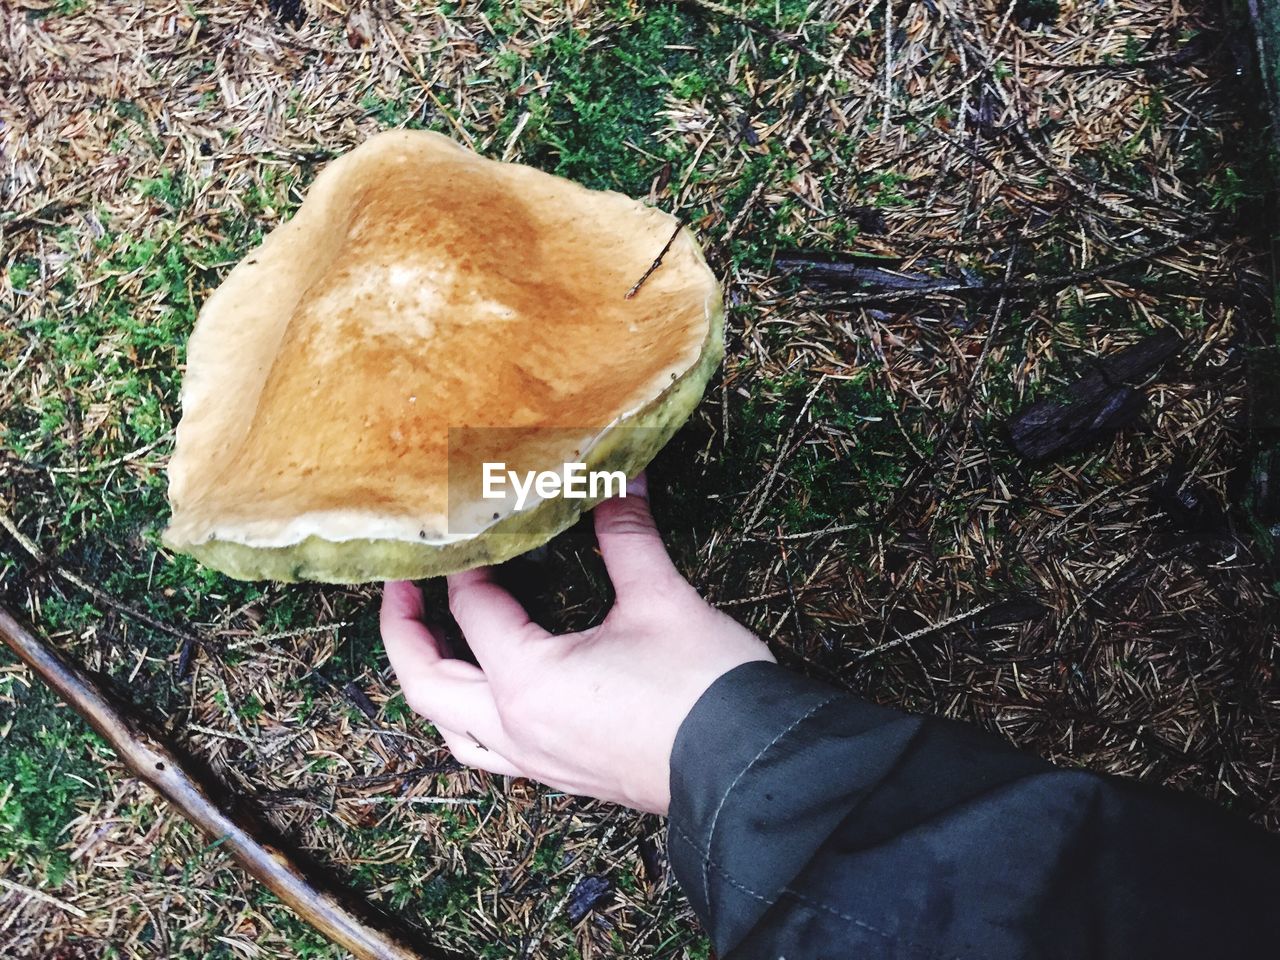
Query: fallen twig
x=924 y=631
x=1093 y=406
x=153 y=762
x=42 y=897
x=75 y=580
x=657 y=262
x=889 y=285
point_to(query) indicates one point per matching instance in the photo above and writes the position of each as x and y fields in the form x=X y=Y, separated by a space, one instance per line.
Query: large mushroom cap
x=423 y=294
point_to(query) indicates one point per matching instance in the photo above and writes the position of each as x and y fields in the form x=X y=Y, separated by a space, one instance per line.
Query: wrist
x=651 y=791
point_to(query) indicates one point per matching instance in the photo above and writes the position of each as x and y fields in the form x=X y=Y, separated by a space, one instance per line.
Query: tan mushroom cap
x=421 y=288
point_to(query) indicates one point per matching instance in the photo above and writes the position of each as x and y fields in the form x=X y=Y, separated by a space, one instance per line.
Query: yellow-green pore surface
x=422 y=288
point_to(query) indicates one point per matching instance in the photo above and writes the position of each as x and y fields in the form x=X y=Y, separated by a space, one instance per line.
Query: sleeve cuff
x=734 y=834
x=802 y=816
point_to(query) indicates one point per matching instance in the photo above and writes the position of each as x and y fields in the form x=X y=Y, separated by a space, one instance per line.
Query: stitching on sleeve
x=711 y=830
x=711 y=864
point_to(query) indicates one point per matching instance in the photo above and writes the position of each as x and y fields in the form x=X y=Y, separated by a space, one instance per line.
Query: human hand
x=592 y=713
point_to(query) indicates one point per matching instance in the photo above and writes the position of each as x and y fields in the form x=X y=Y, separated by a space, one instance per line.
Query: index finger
x=492 y=620
x=451 y=693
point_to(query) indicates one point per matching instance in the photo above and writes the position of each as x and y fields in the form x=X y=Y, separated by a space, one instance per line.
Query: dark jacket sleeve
x=805 y=823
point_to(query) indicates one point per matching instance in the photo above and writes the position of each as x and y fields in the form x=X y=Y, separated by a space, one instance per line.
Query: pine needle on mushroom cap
x=419 y=289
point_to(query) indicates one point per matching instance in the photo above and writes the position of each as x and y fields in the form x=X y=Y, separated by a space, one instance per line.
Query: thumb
x=630 y=544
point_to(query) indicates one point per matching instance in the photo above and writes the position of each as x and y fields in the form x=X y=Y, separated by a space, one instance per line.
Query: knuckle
x=524 y=715
x=417 y=703
x=517 y=707
x=659 y=589
x=633 y=522
x=458 y=751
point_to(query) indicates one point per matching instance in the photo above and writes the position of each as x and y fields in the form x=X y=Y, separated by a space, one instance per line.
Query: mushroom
x=427 y=312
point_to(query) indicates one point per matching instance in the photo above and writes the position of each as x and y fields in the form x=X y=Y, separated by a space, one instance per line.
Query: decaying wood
x=872 y=283
x=1094 y=406
x=838 y=272
x=147 y=756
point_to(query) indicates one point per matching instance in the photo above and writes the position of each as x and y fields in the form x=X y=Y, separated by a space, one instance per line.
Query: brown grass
x=845 y=489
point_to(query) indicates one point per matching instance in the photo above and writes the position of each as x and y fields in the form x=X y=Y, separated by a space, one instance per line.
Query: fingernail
x=638 y=486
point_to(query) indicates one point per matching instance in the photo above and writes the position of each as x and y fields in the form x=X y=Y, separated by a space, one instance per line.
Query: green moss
x=120 y=349
x=855 y=459
x=884 y=189
x=389 y=111
x=830 y=487
x=23 y=274
x=304 y=941
x=597 y=122
x=170 y=188
x=47 y=767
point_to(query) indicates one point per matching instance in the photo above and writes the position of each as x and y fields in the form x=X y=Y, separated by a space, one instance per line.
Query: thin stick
x=657 y=262
x=1017 y=287
x=426 y=88
x=922 y=632
x=72 y=578
x=784 y=451
x=888 y=68
x=42 y=897
x=153 y=762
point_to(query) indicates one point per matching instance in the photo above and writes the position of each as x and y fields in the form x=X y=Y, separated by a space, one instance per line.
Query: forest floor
x=1076 y=175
